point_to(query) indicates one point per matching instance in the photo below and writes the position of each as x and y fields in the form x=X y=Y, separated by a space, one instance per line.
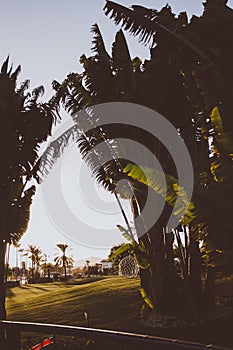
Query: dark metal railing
x=102 y=339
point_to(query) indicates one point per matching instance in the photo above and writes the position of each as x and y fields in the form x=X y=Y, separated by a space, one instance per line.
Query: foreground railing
x=99 y=339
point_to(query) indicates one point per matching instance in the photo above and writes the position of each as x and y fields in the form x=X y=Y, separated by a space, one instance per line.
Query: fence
x=100 y=339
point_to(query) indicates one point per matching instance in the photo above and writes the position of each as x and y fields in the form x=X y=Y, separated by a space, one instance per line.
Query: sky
x=47 y=38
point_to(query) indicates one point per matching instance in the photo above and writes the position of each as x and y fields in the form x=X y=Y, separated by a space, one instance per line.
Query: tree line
x=39 y=260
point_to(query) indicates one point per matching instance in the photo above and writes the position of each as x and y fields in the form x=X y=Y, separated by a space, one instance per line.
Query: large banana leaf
x=134 y=248
x=169 y=190
x=122 y=249
x=126 y=234
x=223 y=143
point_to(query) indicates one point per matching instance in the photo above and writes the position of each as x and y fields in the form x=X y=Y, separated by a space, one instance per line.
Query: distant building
x=106 y=266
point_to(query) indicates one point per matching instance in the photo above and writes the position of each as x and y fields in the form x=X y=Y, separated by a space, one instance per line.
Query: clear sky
x=47 y=37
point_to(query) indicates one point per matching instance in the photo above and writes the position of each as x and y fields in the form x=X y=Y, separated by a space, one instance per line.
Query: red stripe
x=45 y=343
x=36 y=347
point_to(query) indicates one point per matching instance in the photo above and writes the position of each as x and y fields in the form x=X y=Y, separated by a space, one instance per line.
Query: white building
x=105 y=265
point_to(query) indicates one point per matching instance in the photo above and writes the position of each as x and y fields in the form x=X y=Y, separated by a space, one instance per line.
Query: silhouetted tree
x=25 y=124
x=64 y=260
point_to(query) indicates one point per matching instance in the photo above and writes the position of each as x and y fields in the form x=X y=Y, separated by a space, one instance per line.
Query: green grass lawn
x=111 y=303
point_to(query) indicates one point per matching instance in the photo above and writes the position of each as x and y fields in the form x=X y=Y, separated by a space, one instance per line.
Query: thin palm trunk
x=64 y=264
x=2 y=281
x=7 y=261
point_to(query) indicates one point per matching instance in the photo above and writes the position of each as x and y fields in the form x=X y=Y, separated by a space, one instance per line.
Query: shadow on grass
x=84 y=281
x=64 y=284
x=36 y=286
x=9 y=292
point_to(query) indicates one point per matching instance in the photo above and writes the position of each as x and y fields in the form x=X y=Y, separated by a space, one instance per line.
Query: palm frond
x=81 y=97
x=100 y=159
x=98 y=78
x=20 y=215
x=15 y=74
x=129 y=20
x=145 y=27
x=72 y=94
x=98 y=44
x=62 y=247
x=4 y=68
x=52 y=153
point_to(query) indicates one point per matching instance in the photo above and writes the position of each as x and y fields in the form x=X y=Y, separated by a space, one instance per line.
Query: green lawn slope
x=111 y=303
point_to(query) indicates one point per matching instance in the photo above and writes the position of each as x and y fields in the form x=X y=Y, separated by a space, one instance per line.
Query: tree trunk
x=2 y=292
x=171 y=298
x=33 y=269
x=208 y=296
x=64 y=265
x=7 y=261
x=145 y=276
x=2 y=281
x=159 y=279
x=195 y=285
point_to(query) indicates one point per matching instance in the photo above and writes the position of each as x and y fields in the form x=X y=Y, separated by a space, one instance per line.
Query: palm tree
x=49 y=267
x=87 y=267
x=39 y=260
x=64 y=260
x=35 y=254
x=21 y=250
x=26 y=124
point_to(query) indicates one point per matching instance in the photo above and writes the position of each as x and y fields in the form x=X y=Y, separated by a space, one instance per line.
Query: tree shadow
x=35 y=286
x=9 y=293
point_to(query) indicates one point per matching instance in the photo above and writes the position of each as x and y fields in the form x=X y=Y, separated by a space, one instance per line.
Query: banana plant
x=138 y=251
x=204 y=200
x=186 y=76
x=133 y=247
